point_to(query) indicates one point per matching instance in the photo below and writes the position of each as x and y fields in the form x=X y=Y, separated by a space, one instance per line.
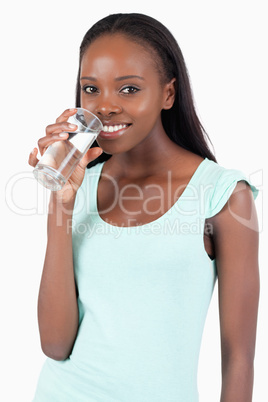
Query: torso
x=135 y=202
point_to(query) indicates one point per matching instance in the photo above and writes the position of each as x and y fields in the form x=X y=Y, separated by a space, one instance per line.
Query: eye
x=129 y=90
x=89 y=89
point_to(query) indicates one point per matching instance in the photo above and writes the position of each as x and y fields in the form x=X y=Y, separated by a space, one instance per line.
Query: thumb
x=90 y=155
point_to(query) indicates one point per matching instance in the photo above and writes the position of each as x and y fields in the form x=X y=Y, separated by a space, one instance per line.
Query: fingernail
x=72 y=110
x=72 y=125
x=63 y=134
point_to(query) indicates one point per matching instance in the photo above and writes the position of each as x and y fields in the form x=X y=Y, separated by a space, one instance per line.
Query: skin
x=142 y=156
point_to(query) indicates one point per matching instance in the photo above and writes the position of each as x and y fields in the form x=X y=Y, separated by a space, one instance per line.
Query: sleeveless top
x=144 y=292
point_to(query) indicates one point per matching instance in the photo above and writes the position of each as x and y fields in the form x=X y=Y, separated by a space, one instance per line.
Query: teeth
x=112 y=129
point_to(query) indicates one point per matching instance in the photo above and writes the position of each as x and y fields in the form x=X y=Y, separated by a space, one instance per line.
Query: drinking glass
x=61 y=158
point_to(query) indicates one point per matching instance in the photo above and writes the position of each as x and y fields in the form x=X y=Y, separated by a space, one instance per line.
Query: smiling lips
x=113 y=131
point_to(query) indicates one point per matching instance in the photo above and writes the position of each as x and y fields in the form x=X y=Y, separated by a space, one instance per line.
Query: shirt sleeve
x=224 y=187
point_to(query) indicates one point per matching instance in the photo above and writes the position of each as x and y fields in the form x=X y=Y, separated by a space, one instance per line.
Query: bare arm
x=236 y=245
x=57 y=302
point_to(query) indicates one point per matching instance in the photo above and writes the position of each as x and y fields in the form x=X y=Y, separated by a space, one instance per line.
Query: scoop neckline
x=155 y=221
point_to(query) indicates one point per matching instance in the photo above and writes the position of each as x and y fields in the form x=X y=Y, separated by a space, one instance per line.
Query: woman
x=155 y=220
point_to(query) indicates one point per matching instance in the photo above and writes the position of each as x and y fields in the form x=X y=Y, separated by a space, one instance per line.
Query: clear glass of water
x=61 y=158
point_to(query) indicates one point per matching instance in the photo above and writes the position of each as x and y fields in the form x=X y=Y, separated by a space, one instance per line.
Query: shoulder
x=92 y=175
x=238 y=212
x=87 y=191
x=222 y=186
x=95 y=169
x=231 y=215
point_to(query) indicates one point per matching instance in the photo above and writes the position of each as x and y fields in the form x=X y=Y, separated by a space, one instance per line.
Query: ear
x=169 y=94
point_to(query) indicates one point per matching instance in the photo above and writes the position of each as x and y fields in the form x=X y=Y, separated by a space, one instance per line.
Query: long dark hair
x=181 y=122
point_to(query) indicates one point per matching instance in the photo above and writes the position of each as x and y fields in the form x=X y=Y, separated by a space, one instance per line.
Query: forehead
x=117 y=53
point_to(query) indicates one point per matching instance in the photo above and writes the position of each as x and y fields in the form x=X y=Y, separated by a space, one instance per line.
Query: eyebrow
x=124 y=77
x=127 y=77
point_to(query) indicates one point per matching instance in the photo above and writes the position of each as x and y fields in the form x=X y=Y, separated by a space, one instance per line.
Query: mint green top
x=144 y=293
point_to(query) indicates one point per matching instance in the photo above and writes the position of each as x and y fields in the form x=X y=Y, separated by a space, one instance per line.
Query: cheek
x=149 y=105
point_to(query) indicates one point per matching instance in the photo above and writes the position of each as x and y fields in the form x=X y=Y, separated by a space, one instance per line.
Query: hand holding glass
x=62 y=157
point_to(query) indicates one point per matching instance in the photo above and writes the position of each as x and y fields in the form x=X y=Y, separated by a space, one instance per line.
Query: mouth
x=111 y=131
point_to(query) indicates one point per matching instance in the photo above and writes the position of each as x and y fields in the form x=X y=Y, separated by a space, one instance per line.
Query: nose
x=107 y=106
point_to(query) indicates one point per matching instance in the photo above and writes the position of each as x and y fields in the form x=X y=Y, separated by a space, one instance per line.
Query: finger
x=65 y=115
x=91 y=154
x=45 y=142
x=60 y=127
x=33 y=157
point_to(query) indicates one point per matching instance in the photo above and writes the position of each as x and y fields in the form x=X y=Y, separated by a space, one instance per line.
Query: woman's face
x=121 y=85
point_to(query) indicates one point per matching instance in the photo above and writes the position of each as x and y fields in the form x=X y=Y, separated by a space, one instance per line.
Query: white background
x=225 y=48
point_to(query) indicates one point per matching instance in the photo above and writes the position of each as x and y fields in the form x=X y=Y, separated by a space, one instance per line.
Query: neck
x=148 y=158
